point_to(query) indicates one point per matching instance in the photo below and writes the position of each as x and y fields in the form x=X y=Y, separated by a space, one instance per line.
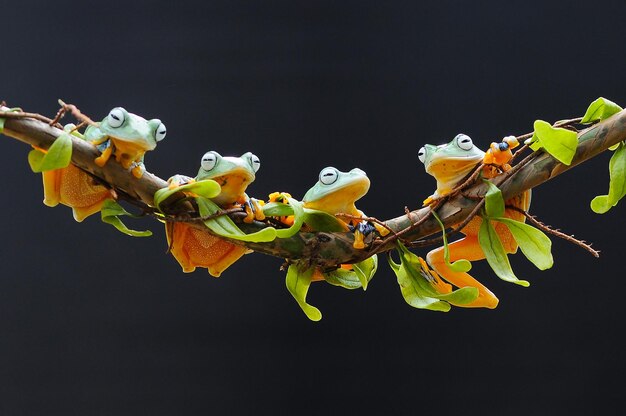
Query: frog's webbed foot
x=106 y=149
x=179 y=180
x=281 y=197
x=499 y=154
x=467 y=248
x=432 y=199
x=253 y=209
x=137 y=169
x=361 y=230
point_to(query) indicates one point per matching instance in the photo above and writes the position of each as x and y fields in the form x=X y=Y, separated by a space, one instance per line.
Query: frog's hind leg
x=194 y=248
x=467 y=248
x=51 y=187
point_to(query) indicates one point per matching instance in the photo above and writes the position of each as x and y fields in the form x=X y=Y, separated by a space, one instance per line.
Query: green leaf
x=494 y=203
x=417 y=289
x=460 y=265
x=58 y=156
x=298 y=219
x=600 y=109
x=345 y=278
x=298 y=282
x=535 y=245
x=365 y=270
x=35 y=158
x=110 y=213
x=495 y=254
x=225 y=227
x=323 y=221
x=617 y=182
x=277 y=209
x=558 y=142
x=207 y=188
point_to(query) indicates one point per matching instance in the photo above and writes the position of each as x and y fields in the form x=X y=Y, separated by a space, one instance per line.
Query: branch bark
x=330 y=249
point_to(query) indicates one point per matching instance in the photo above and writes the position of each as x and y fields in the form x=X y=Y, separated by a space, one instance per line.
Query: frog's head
x=234 y=174
x=450 y=163
x=336 y=191
x=133 y=129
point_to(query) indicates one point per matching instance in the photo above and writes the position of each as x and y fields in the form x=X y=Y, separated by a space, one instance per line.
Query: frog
x=450 y=164
x=336 y=192
x=195 y=248
x=119 y=130
x=127 y=137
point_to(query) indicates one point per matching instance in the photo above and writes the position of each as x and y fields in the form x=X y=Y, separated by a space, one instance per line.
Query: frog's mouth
x=450 y=171
x=234 y=184
x=132 y=145
x=452 y=166
x=342 y=199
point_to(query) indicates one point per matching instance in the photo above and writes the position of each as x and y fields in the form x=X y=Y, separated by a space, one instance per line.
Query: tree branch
x=327 y=250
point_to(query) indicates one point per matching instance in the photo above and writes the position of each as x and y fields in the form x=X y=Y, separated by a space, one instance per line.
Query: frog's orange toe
x=137 y=172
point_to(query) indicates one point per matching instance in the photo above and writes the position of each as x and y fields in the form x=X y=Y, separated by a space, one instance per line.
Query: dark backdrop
x=96 y=323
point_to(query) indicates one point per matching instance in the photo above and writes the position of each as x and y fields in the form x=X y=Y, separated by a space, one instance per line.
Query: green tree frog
x=450 y=164
x=194 y=248
x=336 y=193
x=126 y=136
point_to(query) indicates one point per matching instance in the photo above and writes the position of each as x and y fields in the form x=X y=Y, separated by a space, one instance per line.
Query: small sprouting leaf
x=495 y=254
x=494 y=203
x=535 y=245
x=365 y=270
x=207 y=188
x=298 y=282
x=58 y=155
x=223 y=226
x=460 y=265
x=617 y=182
x=344 y=278
x=110 y=213
x=600 y=109
x=558 y=142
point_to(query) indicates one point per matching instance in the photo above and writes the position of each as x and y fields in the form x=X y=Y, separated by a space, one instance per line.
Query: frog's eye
x=116 y=117
x=421 y=154
x=328 y=176
x=255 y=162
x=464 y=142
x=160 y=133
x=209 y=160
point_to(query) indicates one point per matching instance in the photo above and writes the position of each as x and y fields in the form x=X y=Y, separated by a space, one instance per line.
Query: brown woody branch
x=330 y=249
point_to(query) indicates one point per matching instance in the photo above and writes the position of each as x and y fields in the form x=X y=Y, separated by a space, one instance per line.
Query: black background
x=93 y=322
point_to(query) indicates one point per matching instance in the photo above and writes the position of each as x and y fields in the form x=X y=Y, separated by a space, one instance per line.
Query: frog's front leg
x=467 y=248
x=253 y=208
x=106 y=148
x=138 y=168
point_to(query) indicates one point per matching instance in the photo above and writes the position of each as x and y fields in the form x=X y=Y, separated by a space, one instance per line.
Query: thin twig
x=546 y=228
x=75 y=112
x=22 y=114
x=187 y=218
